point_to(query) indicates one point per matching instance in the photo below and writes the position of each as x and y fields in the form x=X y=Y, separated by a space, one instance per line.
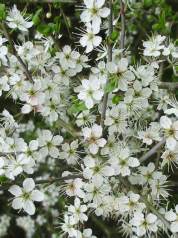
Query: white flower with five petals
x=89 y=39
x=90 y=91
x=94 y=12
x=93 y=137
x=25 y=197
x=170 y=131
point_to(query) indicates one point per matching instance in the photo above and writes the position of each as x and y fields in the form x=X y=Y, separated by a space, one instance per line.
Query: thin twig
x=110 y=28
x=66 y=23
x=53 y=180
x=24 y=66
x=68 y=128
x=149 y=206
x=161 y=70
x=42 y=181
x=102 y=226
x=122 y=12
x=152 y=151
x=155 y=211
x=157 y=159
x=169 y=85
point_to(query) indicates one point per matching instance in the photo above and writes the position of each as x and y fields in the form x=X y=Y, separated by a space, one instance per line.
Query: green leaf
x=2 y=11
x=36 y=18
x=116 y=99
x=46 y=29
x=114 y=35
x=147 y=3
x=77 y=107
x=3 y=179
x=111 y=85
x=57 y=21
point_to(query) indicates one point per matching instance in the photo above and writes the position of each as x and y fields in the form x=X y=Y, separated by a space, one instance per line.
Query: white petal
x=89 y=46
x=99 y=3
x=15 y=190
x=123 y=64
x=108 y=171
x=97 y=40
x=170 y=215
x=133 y=162
x=104 y=12
x=29 y=207
x=97 y=130
x=33 y=144
x=151 y=218
x=57 y=140
x=17 y=203
x=174 y=227
x=83 y=40
x=89 y=3
x=101 y=142
x=165 y=122
x=85 y=16
x=54 y=152
x=89 y=103
x=36 y=195
x=86 y=132
x=28 y=184
x=26 y=109
x=172 y=111
x=97 y=95
x=93 y=148
x=176 y=208
x=111 y=67
x=171 y=143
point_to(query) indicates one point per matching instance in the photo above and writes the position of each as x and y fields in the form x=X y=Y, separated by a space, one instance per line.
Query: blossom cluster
x=59 y=148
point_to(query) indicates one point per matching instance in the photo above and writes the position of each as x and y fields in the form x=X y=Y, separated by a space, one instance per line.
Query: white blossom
x=144 y=224
x=171 y=216
x=94 y=12
x=93 y=137
x=25 y=197
x=90 y=39
x=170 y=131
x=16 y=20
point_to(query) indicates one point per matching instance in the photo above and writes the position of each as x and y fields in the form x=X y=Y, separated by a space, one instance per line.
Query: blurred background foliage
x=61 y=17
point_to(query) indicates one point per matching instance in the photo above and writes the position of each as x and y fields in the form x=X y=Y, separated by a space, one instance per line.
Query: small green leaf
x=111 y=85
x=114 y=35
x=147 y=3
x=176 y=42
x=46 y=29
x=2 y=11
x=77 y=107
x=3 y=179
x=36 y=18
x=116 y=99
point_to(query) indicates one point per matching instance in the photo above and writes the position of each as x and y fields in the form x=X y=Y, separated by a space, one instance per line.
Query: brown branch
x=14 y=52
x=110 y=28
x=122 y=12
x=42 y=181
x=68 y=128
x=168 y=85
x=152 y=151
x=149 y=206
